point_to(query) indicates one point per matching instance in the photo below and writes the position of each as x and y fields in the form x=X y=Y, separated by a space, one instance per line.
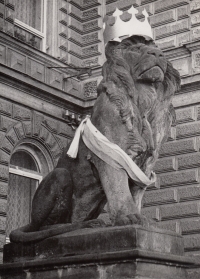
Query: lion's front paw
x=132 y=219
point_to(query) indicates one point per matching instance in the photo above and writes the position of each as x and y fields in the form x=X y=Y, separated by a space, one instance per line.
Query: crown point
x=144 y=12
x=132 y=11
x=117 y=12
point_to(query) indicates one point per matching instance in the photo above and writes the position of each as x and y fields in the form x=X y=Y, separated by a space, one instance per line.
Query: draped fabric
x=107 y=151
x=29 y=12
x=20 y=194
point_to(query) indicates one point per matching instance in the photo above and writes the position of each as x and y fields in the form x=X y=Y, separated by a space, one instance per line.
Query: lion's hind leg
x=52 y=203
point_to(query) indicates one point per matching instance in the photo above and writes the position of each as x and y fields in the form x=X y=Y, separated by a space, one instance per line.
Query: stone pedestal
x=113 y=252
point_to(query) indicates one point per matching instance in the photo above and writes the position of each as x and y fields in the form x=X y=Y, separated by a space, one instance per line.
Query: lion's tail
x=26 y=234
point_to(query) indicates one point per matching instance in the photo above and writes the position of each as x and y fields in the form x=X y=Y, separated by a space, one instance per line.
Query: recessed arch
x=30 y=161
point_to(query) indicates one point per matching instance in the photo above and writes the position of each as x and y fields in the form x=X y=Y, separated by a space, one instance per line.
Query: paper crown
x=121 y=29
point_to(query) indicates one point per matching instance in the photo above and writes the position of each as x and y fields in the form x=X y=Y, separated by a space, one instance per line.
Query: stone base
x=113 y=252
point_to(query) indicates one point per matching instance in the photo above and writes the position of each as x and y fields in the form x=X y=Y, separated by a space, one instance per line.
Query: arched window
x=24 y=177
x=29 y=163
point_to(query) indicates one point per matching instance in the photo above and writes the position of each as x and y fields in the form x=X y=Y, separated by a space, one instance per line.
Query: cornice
x=190 y=83
x=42 y=91
x=177 y=52
x=17 y=45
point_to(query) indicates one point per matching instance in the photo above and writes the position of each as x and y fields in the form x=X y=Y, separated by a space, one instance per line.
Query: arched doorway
x=28 y=165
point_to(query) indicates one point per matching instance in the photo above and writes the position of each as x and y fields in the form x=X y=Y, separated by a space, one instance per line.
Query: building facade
x=51 y=53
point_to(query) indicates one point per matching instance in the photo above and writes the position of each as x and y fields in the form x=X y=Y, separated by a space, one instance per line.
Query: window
x=24 y=177
x=30 y=22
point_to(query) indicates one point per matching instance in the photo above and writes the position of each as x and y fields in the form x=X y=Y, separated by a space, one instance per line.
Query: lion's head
x=141 y=82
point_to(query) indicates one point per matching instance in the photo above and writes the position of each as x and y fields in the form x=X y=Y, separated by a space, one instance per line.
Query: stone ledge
x=95 y=242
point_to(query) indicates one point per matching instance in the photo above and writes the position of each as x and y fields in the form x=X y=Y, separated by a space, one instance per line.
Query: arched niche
x=30 y=161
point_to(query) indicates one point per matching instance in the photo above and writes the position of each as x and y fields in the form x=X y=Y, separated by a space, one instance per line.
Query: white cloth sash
x=109 y=152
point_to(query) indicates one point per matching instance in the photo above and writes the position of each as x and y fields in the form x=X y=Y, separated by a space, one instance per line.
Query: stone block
x=89 y=14
x=51 y=124
x=149 y=8
x=188 y=161
x=27 y=127
x=11 y=136
x=166 y=43
x=164 y=165
x=195 y=33
x=90 y=51
x=182 y=65
x=151 y=213
x=16 y=61
x=189 y=193
x=196 y=61
x=182 y=210
x=3 y=225
x=3 y=188
x=172 y=28
x=159 y=197
x=90 y=62
x=121 y=5
x=183 y=12
x=170 y=4
x=90 y=89
x=3 y=210
x=195 y=19
x=183 y=39
x=6 y=123
x=179 y=178
x=169 y=226
x=192 y=242
x=89 y=26
x=185 y=114
x=63 y=142
x=178 y=147
x=37 y=121
x=194 y=6
x=55 y=78
x=188 y=130
x=7 y=146
x=5 y=107
x=163 y=18
x=190 y=226
x=2 y=50
x=36 y=69
x=19 y=129
x=147 y=1
x=90 y=38
x=21 y=113
x=65 y=130
x=4 y=157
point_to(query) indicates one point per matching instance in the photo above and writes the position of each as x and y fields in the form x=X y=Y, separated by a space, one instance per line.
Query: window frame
x=41 y=34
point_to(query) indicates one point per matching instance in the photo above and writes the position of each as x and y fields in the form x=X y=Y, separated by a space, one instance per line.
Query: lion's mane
x=119 y=84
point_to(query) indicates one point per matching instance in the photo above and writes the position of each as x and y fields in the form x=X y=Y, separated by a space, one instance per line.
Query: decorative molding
x=21 y=113
x=196 y=61
x=90 y=89
x=16 y=60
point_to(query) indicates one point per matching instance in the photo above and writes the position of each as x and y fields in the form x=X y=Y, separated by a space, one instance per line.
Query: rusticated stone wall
x=85 y=46
x=18 y=124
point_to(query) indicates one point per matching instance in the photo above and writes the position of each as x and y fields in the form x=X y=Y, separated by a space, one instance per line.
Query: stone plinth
x=113 y=252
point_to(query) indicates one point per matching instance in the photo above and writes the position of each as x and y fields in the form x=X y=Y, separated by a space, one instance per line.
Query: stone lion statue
x=134 y=111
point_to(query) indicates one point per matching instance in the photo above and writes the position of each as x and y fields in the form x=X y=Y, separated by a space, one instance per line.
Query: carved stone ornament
x=133 y=110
